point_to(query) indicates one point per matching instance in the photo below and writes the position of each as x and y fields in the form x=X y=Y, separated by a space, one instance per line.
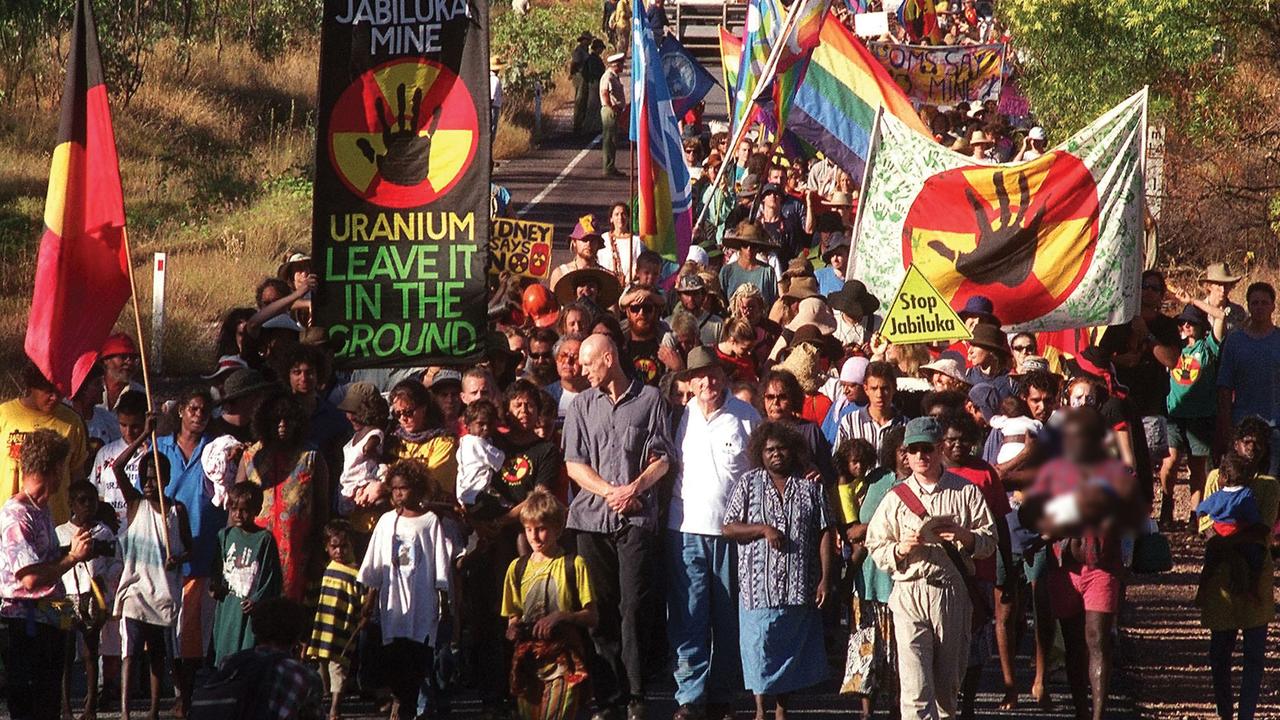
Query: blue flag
x=687 y=80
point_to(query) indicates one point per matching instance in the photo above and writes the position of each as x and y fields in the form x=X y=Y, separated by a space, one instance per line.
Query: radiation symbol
x=516 y=469
x=539 y=259
x=403 y=133
x=517 y=263
x=1022 y=236
x=1187 y=371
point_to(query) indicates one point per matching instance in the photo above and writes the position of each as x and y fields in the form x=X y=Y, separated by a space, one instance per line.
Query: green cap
x=922 y=430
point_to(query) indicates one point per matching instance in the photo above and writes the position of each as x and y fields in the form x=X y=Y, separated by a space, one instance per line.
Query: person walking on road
x=926 y=533
x=613 y=103
x=581 y=87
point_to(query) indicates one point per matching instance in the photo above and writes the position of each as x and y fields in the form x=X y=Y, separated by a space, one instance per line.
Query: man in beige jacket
x=926 y=534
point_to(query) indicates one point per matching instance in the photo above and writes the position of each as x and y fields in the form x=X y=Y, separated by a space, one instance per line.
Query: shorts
x=1003 y=577
x=1075 y=591
x=1038 y=566
x=1156 y=429
x=195 y=619
x=1191 y=436
x=136 y=633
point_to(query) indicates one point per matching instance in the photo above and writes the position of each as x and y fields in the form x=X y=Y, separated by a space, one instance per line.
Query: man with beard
x=542 y=360
x=121 y=362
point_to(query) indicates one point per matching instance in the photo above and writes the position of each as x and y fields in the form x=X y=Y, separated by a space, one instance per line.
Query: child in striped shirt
x=337 y=613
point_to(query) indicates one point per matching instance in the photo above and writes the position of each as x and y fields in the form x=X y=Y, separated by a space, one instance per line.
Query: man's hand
x=908 y=548
x=544 y=628
x=955 y=533
x=670 y=358
x=773 y=536
x=621 y=496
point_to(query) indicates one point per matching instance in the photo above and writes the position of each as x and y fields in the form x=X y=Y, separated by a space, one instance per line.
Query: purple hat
x=980 y=306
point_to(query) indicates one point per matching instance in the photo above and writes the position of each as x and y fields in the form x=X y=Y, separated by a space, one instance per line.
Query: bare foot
x=1040 y=694
x=1010 y=700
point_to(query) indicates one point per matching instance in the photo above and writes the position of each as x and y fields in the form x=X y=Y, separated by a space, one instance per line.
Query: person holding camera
x=31 y=569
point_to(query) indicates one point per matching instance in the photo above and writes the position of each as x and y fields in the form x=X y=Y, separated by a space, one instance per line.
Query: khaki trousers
x=931 y=624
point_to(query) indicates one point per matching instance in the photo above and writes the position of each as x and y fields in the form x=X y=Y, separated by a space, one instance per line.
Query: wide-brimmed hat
x=282 y=322
x=700 y=358
x=978 y=137
x=242 y=383
x=227 y=364
x=802 y=287
x=946 y=366
x=566 y=288
x=1221 y=273
x=839 y=198
x=118 y=344
x=981 y=307
x=1194 y=315
x=1035 y=133
x=1030 y=364
x=813 y=311
x=365 y=402
x=835 y=241
x=854 y=300
x=749 y=233
x=827 y=344
x=690 y=283
x=990 y=337
x=285 y=271
x=749 y=187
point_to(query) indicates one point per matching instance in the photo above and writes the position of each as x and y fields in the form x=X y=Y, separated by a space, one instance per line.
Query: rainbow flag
x=835 y=107
x=730 y=59
x=665 y=194
x=764 y=24
x=804 y=35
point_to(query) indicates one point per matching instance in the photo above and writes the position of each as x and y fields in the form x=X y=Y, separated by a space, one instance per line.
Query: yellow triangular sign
x=920 y=314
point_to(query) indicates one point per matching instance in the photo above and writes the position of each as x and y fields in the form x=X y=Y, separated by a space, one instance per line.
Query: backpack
x=234 y=690
x=570 y=578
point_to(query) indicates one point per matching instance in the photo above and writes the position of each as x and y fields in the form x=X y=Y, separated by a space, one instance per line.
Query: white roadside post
x=158 y=268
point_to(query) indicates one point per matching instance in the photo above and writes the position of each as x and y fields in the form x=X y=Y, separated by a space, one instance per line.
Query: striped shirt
x=859 y=425
x=337 y=613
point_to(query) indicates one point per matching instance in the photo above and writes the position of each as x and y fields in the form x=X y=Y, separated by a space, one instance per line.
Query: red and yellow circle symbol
x=516 y=469
x=403 y=133
x=1187 y=371
x=1022 y=236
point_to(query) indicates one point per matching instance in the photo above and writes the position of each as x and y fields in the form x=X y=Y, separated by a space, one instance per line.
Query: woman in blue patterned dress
x=786 y=535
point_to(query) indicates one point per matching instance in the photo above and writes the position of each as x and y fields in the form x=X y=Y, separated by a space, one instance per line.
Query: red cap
x=119 y=344
x=539 y=304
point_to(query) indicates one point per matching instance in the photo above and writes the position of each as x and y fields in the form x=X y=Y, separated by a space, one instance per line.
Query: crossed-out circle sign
x=403 y=133
x=1022 y=236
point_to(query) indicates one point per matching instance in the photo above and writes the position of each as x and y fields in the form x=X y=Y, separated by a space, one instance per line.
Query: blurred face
x=90 y=392
x=595 y=365
x=195 y=415
x=121 y=367
x=839 y=259
x=476 y=387
x=587 y=288
x=1250 y=447
x=955 y=446
x=269 y=295
x=1261 y=306
x=412 y=418
x=879 y=393
x=980 y=356
x=567 y=366
x=776 y=456
x=777 y=404
x=448 y=397
x=922 y=458
x=83 y=506
x=404 y=494
x=540 y=536
x=1077 y=442
x=777 y=176
x=303 y=379
x=131 y=426
x=1042 y=403
x=523 y=409
x=240 y=512
x=752 y=309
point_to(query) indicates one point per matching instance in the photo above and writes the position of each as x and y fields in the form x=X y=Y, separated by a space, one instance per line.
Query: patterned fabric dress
x=289 y=509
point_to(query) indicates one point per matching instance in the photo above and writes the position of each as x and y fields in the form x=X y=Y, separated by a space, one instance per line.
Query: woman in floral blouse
x=786 y=536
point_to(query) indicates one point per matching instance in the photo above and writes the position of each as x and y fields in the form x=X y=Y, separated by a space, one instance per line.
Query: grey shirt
x=617 y=441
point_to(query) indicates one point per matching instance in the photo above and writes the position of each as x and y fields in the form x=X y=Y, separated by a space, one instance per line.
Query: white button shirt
x=713 y=454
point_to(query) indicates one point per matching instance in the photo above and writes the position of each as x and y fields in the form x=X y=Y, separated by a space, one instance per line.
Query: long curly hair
x=783 y=432
x=266 y=422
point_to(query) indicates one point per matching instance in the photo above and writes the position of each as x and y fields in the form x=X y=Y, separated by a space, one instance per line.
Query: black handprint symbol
x=1005 y=255
x=407 y=159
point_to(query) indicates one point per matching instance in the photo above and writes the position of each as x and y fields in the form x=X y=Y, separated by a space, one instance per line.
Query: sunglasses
x=397 y=414
x=919 y=449
x=541 y=356
x=639 y=308
x=1021 y=348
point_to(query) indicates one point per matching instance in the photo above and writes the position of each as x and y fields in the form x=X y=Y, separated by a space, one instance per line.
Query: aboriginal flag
x=82 y=272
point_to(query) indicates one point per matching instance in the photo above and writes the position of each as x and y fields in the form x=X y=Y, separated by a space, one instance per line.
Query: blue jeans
x=702 y=617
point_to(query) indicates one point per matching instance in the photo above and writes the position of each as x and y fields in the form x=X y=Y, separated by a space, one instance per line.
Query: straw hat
x=1220 y=273
x=749 y=233
x=839 y=198
x=980 y=138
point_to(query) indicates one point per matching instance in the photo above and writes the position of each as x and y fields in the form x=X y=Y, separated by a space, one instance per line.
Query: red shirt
x=815 y=408
x=984 y=477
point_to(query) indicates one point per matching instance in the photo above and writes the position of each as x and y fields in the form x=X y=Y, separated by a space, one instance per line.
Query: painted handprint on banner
x=407 y=157
x=1005 y=250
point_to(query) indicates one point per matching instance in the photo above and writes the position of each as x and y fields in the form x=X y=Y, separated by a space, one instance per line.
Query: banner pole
x=146 y=384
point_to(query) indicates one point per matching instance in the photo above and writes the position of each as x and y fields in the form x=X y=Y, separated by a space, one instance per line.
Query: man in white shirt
x=702 y=607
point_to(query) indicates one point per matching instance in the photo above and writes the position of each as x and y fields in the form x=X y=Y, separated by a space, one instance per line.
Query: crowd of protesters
x=714 y=474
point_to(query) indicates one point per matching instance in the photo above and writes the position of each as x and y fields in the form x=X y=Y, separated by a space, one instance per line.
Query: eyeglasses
x=1022 y=348
x=639 y=308
x=407 y=412
x=920 y=449
x=774 y=398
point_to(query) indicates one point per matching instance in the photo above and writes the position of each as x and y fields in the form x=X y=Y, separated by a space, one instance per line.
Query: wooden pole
x=146 y=384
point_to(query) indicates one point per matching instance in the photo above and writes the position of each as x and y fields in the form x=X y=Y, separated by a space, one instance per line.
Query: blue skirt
x=782 y=649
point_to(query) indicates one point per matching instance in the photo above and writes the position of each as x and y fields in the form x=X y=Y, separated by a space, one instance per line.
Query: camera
x=97 y=549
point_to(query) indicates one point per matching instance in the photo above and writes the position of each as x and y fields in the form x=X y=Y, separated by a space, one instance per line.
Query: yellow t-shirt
x=543 y=589
x=846 y=498
x=439 y=455
x=17 y=421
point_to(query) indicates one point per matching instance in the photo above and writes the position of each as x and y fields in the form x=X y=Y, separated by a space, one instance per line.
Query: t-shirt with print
x=1251 y=367
x=1193 y=391
x=544 y=588
x=78 y=579
x=104 y=478
x=408 y=563
x=27 y=537
x=17 y=421
x=644 y=358
x=102 y=429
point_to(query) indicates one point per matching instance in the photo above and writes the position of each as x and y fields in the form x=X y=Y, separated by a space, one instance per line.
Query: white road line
x=559 y=178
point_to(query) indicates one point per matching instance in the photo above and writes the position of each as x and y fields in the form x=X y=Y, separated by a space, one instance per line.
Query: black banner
x=400 y=225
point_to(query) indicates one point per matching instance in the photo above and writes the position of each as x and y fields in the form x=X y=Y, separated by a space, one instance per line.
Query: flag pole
x=146 y=384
